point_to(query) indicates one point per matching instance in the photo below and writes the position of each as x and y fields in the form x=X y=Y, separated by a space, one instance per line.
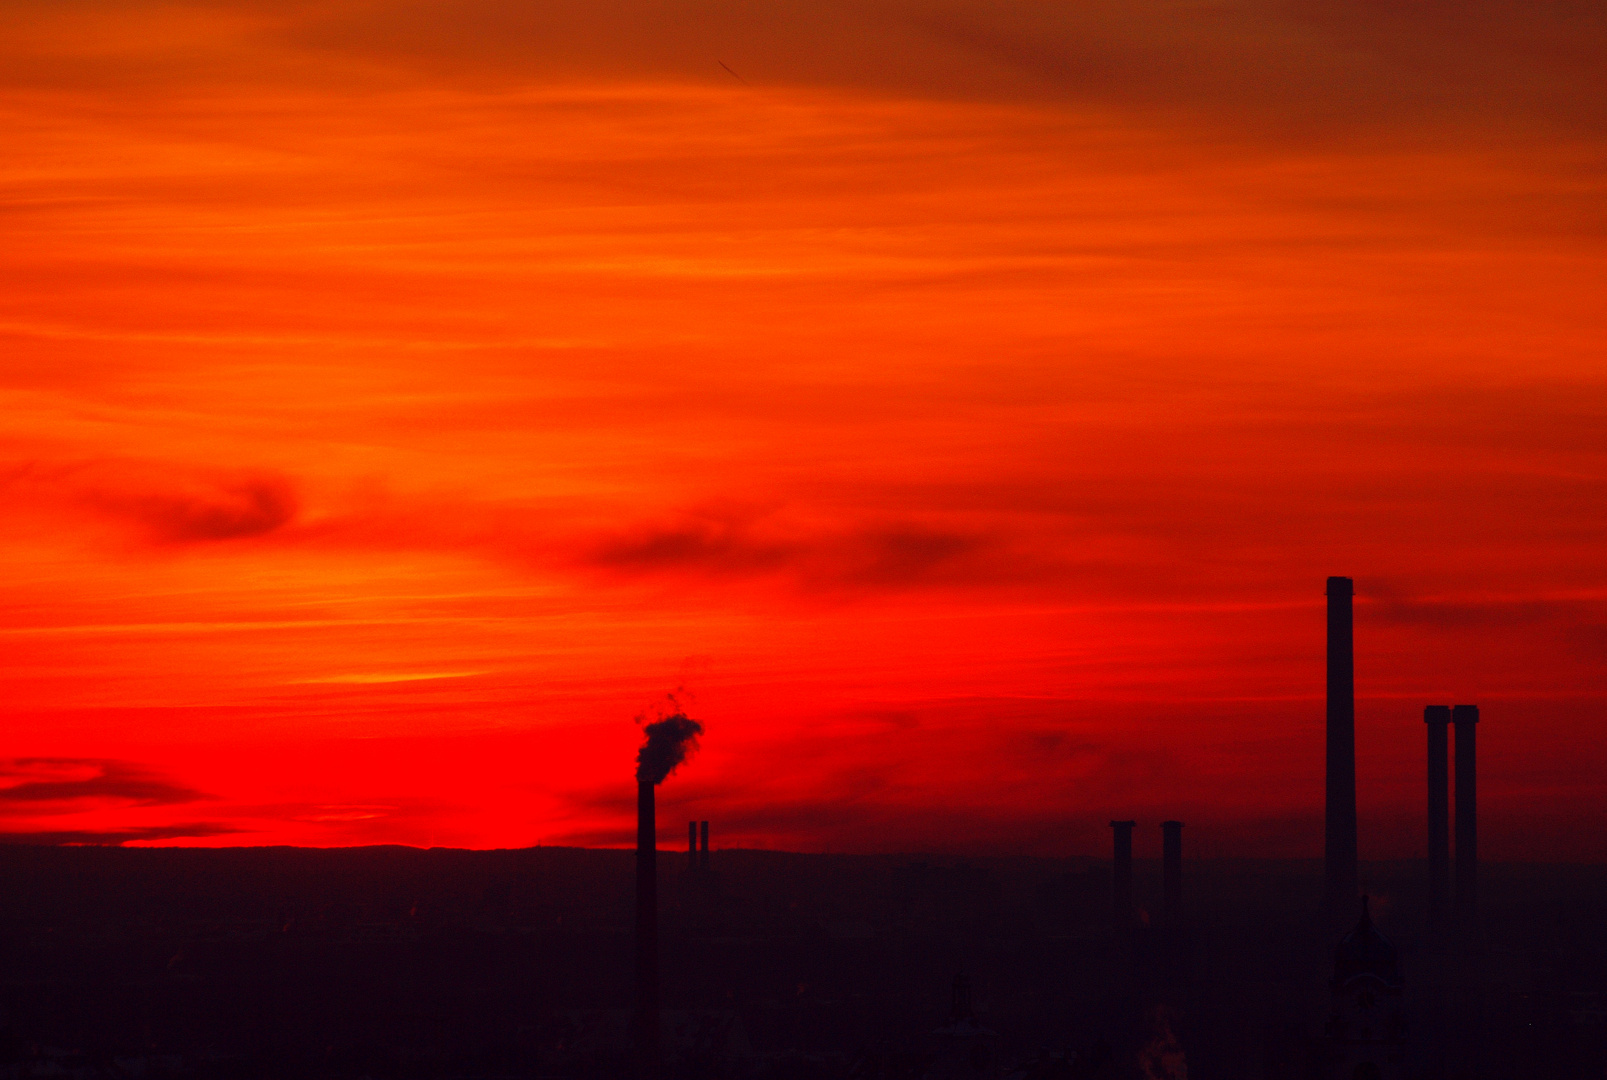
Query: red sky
x=963 y=401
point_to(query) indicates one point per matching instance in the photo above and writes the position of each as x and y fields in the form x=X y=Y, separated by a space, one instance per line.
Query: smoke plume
x=668 y=742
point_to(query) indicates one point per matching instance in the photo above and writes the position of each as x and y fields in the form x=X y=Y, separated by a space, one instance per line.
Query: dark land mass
x=400 y=963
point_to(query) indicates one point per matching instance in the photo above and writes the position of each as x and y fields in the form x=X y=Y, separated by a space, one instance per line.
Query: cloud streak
x=168 y=503
x=25 y=782
x=62 y=800
x=1298 y=70
x=116 y=837
x=734 y=546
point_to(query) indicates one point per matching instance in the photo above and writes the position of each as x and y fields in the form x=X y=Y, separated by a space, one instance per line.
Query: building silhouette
x=1365 y=1038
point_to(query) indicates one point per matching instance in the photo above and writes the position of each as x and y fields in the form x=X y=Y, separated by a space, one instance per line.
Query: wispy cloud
x=117 y=836
x=165 y=502
x=60 y=800
x=1491 y=613
x=729 y=544
x=365 y=678
x=25 y=782
x=234 y=508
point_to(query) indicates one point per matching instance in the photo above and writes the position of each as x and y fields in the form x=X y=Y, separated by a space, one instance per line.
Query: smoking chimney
x=1438 y=719
x=1339 y=839
x=703 y=858
x=668 y=742
x=1172 y=873
x=647 y=1024
x=1466 y=718
x=1121 y=896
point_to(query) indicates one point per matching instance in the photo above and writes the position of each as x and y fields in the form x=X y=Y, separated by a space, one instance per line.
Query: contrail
x=731 y=73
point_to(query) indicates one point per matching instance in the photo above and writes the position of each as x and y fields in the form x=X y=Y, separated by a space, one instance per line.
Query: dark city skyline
x=1074 y=967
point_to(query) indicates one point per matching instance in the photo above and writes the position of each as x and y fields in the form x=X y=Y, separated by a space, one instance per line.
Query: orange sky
x=964 y=401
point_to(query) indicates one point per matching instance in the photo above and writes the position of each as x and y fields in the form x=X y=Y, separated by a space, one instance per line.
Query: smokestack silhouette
x=703 y=858
x=647 y=1024
x=691 y=845
x=668 y=742
x=1172 y=873
x=1339 y=839
x=1466 y=718
x=1438 y=719
x=1121 y=895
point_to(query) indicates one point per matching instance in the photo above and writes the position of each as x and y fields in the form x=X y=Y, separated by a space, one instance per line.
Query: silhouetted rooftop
x=1365 y=951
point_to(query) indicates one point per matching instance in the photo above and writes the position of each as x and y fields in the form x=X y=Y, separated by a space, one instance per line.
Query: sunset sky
x=961 y=402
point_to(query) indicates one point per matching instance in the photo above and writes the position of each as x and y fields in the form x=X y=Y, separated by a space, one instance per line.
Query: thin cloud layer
x=228 y=510
x=735 y=545
x=70 y=780
x=163 y=502
x=117 y=837
x=1293 y=69
x=97 y=801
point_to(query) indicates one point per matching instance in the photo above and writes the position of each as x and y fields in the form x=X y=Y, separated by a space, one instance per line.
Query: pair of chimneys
x=697 y=858
x=1123 y=910
x=647 y=999
x=1339 y=846
x=1439 y=719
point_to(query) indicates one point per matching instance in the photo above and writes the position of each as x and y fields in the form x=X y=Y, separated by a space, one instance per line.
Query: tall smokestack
x=1172 y=873
x=1438 y=719
x=691 y=845
x=668 y=741
x=1339 y=838
x=647 y=1025
x=703 y=857
x=1121 y=896
x=1466 y=718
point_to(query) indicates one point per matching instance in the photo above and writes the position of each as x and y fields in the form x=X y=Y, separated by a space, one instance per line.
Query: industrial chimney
x=1121 y=896
x=1466 y=719
x=1339 y=840
x=668 y=742
x=1438 y=719
x=1172 y=874
x=691 y=845
x=647 y=1021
